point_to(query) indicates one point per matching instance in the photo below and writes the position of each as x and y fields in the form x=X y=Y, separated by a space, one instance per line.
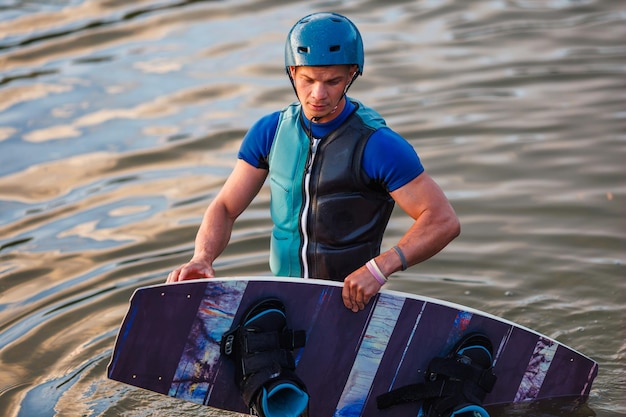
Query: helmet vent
x=303 y=49
x=334 y=48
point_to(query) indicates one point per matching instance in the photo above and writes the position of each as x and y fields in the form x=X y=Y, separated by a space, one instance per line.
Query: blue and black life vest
x=329 y=216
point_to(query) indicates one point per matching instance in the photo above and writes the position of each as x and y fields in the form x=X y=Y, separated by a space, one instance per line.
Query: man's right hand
x=191 y=270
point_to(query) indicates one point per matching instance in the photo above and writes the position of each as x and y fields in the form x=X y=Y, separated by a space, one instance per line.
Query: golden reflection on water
x=53 y=179
x=159 y=108
x=14 y=95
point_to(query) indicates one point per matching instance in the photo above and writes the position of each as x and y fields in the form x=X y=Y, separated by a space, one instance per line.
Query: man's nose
x=319 y=91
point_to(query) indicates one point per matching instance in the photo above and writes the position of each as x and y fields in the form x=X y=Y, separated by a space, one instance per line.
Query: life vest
x=329 y=216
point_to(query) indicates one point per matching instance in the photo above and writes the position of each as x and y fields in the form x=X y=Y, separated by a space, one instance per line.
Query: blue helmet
x=324 y=39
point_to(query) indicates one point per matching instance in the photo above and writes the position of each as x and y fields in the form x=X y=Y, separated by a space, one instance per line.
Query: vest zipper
x=307 y=203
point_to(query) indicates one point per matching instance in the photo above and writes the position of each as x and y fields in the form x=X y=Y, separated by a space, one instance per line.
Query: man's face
x=320 y=89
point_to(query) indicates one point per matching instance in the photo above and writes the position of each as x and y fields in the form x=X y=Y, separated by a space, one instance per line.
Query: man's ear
x=292 y=71
x=353 y=70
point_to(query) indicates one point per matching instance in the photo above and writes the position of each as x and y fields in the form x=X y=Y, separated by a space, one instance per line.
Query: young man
x=335 y=170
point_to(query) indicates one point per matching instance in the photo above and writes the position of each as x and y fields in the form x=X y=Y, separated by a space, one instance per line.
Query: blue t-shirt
x=388 y=157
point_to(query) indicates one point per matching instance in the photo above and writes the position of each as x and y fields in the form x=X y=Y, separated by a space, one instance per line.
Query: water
x=119 y=121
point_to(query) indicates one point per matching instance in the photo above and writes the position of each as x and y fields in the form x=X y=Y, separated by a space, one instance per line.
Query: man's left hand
x=358 y=288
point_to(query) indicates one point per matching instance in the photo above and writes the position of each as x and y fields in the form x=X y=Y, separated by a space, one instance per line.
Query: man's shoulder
x=271 y=120
x=290 y=110
x=369 y=116
x=266 y=122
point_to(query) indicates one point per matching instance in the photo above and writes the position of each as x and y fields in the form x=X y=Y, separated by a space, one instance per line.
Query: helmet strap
x=354 y=77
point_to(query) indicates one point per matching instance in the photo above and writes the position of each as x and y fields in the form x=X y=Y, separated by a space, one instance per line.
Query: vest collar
x=320 y=130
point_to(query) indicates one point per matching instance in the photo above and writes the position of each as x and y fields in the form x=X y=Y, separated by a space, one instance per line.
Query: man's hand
x=191 y=270
x=358 y=288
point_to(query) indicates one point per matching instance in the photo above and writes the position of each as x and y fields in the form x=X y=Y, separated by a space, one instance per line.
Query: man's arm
x=240 y=188
x=435 y=225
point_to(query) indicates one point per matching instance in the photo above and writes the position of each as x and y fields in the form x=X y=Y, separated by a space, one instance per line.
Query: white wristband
x=375 y=271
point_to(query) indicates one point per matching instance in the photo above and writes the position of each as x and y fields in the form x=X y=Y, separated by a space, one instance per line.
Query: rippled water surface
x=120 y=120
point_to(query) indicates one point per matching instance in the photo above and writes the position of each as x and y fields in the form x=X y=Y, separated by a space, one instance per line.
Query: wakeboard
x=169 y=343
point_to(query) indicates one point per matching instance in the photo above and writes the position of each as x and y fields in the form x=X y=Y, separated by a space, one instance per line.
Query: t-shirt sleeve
x=390 y=159
x=256 y=144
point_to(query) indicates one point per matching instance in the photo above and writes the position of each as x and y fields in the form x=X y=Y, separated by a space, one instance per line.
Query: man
x=335 y=170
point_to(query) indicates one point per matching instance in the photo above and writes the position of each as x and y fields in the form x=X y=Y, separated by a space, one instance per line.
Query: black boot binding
x=261 y=347
x=456 y=384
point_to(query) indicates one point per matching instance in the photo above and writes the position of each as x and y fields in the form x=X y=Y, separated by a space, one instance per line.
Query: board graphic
x=169 y=343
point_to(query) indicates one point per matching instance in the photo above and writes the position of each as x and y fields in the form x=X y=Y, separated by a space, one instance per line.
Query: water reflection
x=119 y=121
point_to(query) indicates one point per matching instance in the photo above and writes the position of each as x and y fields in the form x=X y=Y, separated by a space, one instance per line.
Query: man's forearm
x=425 y=238
x=214 y=233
